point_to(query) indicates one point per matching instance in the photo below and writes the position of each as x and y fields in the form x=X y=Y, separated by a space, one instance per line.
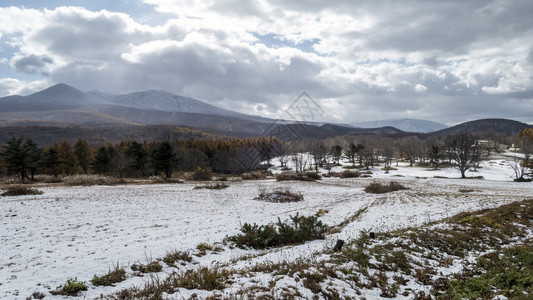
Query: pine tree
x=51 y=160
x=33 y=155
x=13 y=155
x=138 y=157
x=164 y=159
x=101 y=162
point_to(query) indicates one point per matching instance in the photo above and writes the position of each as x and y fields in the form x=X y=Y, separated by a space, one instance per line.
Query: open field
x=78 y=232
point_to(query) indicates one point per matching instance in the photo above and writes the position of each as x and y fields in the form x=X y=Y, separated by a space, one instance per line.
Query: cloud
x=363 y=61
x=31 y=64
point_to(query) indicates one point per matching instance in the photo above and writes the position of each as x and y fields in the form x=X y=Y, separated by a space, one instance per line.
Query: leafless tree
x=464 y=151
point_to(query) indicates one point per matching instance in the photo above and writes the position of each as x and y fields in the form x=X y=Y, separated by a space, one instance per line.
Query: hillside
x=407 y=125
x=504 y=126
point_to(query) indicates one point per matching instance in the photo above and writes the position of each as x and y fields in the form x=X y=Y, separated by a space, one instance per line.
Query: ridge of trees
x=25 y=159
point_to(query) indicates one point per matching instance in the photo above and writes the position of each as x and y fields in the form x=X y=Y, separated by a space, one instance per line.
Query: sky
x=445 y=61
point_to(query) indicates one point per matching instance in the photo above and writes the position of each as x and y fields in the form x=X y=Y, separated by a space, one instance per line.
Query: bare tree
x=464 y=151
x=411 y=148
x=300 y=162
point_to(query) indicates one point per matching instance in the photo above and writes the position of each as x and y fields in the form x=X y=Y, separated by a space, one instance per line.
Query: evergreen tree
x=51 y=160
x=33 y=155
x=83 y=154
x=14 y=155
x=138 y=157
x=101 y=162
x=336 y=153
x=164 y=159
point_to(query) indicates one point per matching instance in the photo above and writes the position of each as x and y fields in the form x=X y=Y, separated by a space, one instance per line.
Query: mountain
x=503 y=126
x=407 y=125
x=57 y=97
x=64 y=105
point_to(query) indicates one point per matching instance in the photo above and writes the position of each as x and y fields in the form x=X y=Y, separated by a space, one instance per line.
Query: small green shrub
x=20 y=190
x=301 y=230
x=112 y=277
x=71 y=288
x=202 y=174
x=379 y=188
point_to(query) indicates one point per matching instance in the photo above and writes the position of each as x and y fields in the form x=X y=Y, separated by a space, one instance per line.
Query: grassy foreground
x=474 y=255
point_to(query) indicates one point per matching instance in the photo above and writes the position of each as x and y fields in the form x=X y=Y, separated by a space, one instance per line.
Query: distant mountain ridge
x=64 y=106
x=407 y=125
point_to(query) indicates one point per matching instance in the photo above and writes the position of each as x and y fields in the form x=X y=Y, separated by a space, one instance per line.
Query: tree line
x=25 y=159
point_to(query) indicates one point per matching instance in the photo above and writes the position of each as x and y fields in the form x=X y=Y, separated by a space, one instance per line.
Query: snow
x=81 y=231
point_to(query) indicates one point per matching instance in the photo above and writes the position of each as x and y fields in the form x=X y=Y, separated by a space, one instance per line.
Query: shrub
x=20 y=190
x=254 y=175
x=346 y=174
x=71 y=288
x=112 y=277
x=276 y=235
x=379 y=188
x=280 y=196
x=174 y=256
x=152 y=267
x=217 y=186
x=204 y=278
x=309 y=176
x=202 y=174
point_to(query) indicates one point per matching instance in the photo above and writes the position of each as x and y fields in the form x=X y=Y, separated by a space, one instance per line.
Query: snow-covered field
x=81 y=231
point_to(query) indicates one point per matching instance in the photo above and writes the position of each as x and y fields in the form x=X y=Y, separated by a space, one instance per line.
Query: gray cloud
x=441 y=60
x=32 y=64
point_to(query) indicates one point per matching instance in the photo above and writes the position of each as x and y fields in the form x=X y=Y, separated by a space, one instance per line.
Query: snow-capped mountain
x=407 y=125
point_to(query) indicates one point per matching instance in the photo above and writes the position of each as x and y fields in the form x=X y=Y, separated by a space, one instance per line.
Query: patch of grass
x=309 y=176
x=256 y=175
x=217 y=186
x=301 y=230
x=172 y=257
x=37 y=295
x=280 y=196
x=20 y=190
x=71 y=288
x=379 y=188
x=203 y=278
x=201 y=174
x=118 y=274
x=152 y=267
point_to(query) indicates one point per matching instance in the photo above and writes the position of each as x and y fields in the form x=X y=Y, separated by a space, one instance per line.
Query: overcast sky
x=446 y=61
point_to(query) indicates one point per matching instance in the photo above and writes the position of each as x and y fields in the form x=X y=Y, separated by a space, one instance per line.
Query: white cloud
x=390 y=60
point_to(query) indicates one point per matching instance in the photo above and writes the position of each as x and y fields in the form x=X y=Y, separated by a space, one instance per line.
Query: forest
x=25 y=159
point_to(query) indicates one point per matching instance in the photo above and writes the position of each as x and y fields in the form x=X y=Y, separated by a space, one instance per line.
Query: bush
x=152 y=267
x=20 y=190
x=202 y=174
x=174 y=256
x=346 y=174
x=276 y=235
x=379 y=188
x=254 y=175
x=217 y=186
x=279 y=196
x=87 y=180
x=71 y=288
x=114 y=276
x=309 y=176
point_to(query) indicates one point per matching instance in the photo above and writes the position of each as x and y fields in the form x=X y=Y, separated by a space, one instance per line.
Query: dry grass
x=309 y=176
x=279 y=196
x=379 y=188
x=88 y=180
x=20 y=190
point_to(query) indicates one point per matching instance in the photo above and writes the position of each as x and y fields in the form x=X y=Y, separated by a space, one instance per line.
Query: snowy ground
x=80 y=231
